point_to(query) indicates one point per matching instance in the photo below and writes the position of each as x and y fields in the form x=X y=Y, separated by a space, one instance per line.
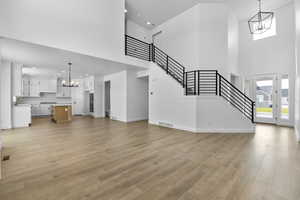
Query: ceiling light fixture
x=149 y=23
x=125 y=11
x=69 y=83
x=261 y=22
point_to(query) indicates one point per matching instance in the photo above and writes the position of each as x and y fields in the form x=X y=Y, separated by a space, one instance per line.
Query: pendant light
x=69 y=82
x=261 y=22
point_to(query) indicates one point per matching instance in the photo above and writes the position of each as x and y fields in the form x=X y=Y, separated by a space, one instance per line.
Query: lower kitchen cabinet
x=21 y=116
x=41 y=110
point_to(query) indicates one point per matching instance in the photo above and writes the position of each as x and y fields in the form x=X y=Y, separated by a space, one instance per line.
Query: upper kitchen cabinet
x=89 y=84
x=25 y=86
x=17 y=79
x=62 y=91
x=30 y=87
x=48 y=86
x=34 y=89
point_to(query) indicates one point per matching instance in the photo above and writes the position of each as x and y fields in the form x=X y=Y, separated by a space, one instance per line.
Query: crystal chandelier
x=261 y=22
x=69 y=82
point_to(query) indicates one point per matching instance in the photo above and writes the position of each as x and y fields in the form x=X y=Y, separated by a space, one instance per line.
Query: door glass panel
x=264 y=98
x=284 y=95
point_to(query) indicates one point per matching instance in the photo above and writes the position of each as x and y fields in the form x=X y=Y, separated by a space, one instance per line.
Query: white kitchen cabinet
x=89 y=84
x=17 y=79
x=35 y=110
x=45 y=110
x=41 y=109
x=34 y=88
x=21 y=116
x=86 y=84
x=66 y=92
x=25 y=87
x=48 y=86
x=62 y=91
x=30 y=87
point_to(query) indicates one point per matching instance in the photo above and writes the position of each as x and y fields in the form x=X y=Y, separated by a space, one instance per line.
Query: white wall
x=273 y=55
x=5 y=95
x=197 y=37
x=137 y=97
x=90 y=27
x=233 y=44
x=167 y=102
x=118 y=95
x=297 y=87
x=216 y=115
x=169 y=106
x=137 y=31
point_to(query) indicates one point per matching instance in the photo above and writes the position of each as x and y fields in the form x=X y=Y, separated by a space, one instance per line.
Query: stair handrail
x=149 y=52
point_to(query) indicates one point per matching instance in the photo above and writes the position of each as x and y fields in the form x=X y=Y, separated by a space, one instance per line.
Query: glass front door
x=272 y=99
x=265 y=100
x=284 y=98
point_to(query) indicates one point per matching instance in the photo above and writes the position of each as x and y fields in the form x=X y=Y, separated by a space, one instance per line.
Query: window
x=269 y=33
x=264 y=98
x=284 y=100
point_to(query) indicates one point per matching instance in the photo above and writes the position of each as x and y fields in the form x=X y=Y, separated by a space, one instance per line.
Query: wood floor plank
x=103 y=159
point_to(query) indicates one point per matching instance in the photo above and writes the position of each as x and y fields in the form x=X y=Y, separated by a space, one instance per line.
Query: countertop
x=62 y=105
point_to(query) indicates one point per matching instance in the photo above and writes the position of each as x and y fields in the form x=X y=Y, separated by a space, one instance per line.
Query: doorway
x=107 y=99
x=272 y=99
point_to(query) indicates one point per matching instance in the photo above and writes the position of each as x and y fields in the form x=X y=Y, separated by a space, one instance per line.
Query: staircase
x=195 y=83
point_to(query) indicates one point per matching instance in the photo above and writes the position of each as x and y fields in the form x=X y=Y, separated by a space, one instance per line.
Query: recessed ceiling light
x=148 y=23
x=125 y=11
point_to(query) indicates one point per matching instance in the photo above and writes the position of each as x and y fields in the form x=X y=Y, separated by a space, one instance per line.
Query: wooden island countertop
x=61 y=113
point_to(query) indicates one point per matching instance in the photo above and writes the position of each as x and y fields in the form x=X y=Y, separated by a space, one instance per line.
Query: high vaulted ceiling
x=244 y=9
x=159 y=11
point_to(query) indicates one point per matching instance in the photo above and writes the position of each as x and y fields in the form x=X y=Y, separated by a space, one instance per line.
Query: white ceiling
x=159 y=11
x=244 y=9
x=41 y=60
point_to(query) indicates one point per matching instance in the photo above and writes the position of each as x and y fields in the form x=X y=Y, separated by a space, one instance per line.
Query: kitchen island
x=61 y=113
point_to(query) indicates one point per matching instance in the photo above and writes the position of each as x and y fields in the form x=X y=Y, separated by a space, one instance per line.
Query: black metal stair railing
x=171 y=66
x=149 y=52
x=137 y=48
x=197 y=82
x=200 y=82
x=236 y=98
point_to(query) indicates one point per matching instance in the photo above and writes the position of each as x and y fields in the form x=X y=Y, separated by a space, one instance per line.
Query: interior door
x=265 y=97
x=107 y=99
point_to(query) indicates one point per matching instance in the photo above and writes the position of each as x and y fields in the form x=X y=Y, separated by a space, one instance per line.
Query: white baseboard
x=225 y=130
x=174 y=127
x=137 y=119
x=198 y=130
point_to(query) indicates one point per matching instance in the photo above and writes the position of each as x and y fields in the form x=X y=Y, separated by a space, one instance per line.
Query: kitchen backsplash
x=45 y=97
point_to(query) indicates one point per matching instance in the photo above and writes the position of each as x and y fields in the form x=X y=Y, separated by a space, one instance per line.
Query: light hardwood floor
x=103 y=159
